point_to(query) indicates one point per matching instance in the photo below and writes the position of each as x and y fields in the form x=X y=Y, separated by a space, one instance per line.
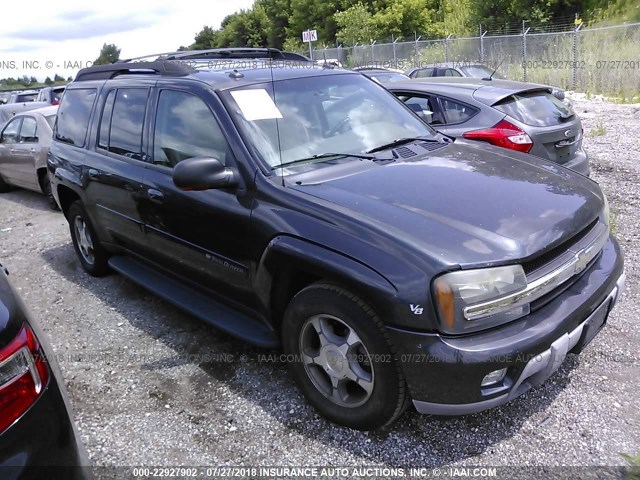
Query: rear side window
x=28 y=130
x=450 y=72
x=186 y=128
x=456 y=112
x=105 y=121
x=424 y=73
x=74 y=115
x=538 y=109
x=127 y=120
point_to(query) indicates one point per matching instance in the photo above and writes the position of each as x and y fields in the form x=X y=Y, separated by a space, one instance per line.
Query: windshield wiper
x=401 y=141
x=320 y=156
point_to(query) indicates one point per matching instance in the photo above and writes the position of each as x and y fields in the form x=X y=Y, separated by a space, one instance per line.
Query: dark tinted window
x=74 y=115
x=105 y=121
x=456 y=112
x=27 y=97
x=10 y=132
x=424 y=73
x=538 y=109
x=28 y=130
x=125 y=134
x=186 y=128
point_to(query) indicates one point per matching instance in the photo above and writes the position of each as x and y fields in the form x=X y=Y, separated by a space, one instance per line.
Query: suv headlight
x=455 y=291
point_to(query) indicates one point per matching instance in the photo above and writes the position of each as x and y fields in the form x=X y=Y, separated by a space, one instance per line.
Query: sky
x=45 y=38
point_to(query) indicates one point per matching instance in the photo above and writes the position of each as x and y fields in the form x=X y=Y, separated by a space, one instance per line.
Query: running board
x=196 y=303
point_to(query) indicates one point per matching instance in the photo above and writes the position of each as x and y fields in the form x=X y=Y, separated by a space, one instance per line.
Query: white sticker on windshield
x=256 y=104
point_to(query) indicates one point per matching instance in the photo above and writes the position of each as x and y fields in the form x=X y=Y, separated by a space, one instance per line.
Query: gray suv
x=525 y=117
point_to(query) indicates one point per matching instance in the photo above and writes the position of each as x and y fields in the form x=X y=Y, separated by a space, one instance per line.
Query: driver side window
x=186 y=128
x=10 y=132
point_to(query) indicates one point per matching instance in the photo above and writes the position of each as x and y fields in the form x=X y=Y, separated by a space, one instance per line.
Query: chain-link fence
x=594 y=60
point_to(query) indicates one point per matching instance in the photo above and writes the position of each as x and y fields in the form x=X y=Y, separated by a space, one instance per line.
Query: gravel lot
x=153 y=386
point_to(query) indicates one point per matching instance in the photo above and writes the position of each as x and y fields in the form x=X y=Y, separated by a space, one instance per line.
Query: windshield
x=480 y=71
x=341 y=114
x=388 y=77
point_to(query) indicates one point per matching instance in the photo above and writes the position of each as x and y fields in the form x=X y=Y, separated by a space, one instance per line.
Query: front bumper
x=444 y=374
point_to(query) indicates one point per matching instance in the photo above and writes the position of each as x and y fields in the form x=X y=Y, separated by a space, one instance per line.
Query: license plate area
x=597 y=320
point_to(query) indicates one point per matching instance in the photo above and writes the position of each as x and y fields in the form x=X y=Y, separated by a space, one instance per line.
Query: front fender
x=292 y=254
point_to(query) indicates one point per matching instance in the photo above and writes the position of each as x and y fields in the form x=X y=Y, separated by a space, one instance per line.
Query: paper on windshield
x=256 y=104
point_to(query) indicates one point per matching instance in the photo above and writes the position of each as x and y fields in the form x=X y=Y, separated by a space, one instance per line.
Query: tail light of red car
x=503 y=134
x=23 y=376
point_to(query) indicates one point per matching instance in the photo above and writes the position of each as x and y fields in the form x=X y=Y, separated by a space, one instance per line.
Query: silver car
x=24 y=144
x=521 y=116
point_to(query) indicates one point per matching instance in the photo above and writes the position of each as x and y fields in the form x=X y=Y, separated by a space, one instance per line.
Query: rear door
x=26 y=153
x=201 y=235
x=114 y=164
x=554 y=128
x=8 y=141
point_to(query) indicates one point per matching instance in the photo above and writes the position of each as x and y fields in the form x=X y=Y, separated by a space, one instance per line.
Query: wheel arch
x=291 y=264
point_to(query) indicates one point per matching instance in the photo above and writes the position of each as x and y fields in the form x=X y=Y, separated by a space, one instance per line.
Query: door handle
x=155 y=196
x=93 y=174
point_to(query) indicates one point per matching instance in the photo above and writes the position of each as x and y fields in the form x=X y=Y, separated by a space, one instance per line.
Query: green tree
x=48 y=81
x=355 y=25
x=109 y=54
x=58 y=78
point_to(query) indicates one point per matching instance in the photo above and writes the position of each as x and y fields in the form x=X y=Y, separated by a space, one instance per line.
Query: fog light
x=493 y=377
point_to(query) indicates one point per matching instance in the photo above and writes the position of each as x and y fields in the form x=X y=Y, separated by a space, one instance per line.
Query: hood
x=464 y=204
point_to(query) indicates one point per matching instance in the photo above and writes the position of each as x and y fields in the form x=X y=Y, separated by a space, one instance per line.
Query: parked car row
x=312 y=210
x=24 y=101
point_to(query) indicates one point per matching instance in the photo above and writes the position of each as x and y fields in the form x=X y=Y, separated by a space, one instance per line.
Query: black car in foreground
x=37 y=434
x=309 y=208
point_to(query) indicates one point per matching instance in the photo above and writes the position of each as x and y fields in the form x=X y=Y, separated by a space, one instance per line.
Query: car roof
x=44 y=111
x=488 y=92
x=220 y=74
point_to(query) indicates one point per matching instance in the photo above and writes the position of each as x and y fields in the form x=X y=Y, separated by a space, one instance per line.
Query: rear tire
x=4 y=186
x=92 y=255
x=342 y=359
x=46 y=189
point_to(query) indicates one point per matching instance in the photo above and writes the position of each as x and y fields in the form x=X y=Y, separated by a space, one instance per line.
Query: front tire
x=343 y=360
x=92 y=255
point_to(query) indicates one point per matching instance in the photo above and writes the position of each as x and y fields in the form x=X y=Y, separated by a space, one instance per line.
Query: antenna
x=490 y=77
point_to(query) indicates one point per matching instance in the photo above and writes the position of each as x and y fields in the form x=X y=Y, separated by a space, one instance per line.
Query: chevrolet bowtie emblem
x=582 y=260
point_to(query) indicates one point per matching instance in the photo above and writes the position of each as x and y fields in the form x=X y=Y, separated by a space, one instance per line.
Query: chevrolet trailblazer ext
x=308 y=208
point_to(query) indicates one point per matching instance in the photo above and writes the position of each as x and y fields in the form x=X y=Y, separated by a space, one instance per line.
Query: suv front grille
x=548 y=257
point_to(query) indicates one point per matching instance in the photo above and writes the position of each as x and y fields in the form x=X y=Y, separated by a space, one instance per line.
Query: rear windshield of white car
x=27 y=97
x=538 y=109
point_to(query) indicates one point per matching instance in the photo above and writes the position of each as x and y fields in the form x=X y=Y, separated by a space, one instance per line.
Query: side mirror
x=202 y=173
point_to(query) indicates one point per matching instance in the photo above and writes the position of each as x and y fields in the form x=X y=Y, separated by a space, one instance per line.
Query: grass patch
x=634 y=463
x=598 y=132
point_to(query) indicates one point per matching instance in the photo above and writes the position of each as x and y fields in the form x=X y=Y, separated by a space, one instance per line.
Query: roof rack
x=224 y=53
x=105 y=72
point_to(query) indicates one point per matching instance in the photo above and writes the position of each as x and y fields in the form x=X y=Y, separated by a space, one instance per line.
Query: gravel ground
x=153 y=386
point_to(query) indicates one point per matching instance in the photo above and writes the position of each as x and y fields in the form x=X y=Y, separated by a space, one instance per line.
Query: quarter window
x=456 y=112
x=74 y=115
x=186 y=128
